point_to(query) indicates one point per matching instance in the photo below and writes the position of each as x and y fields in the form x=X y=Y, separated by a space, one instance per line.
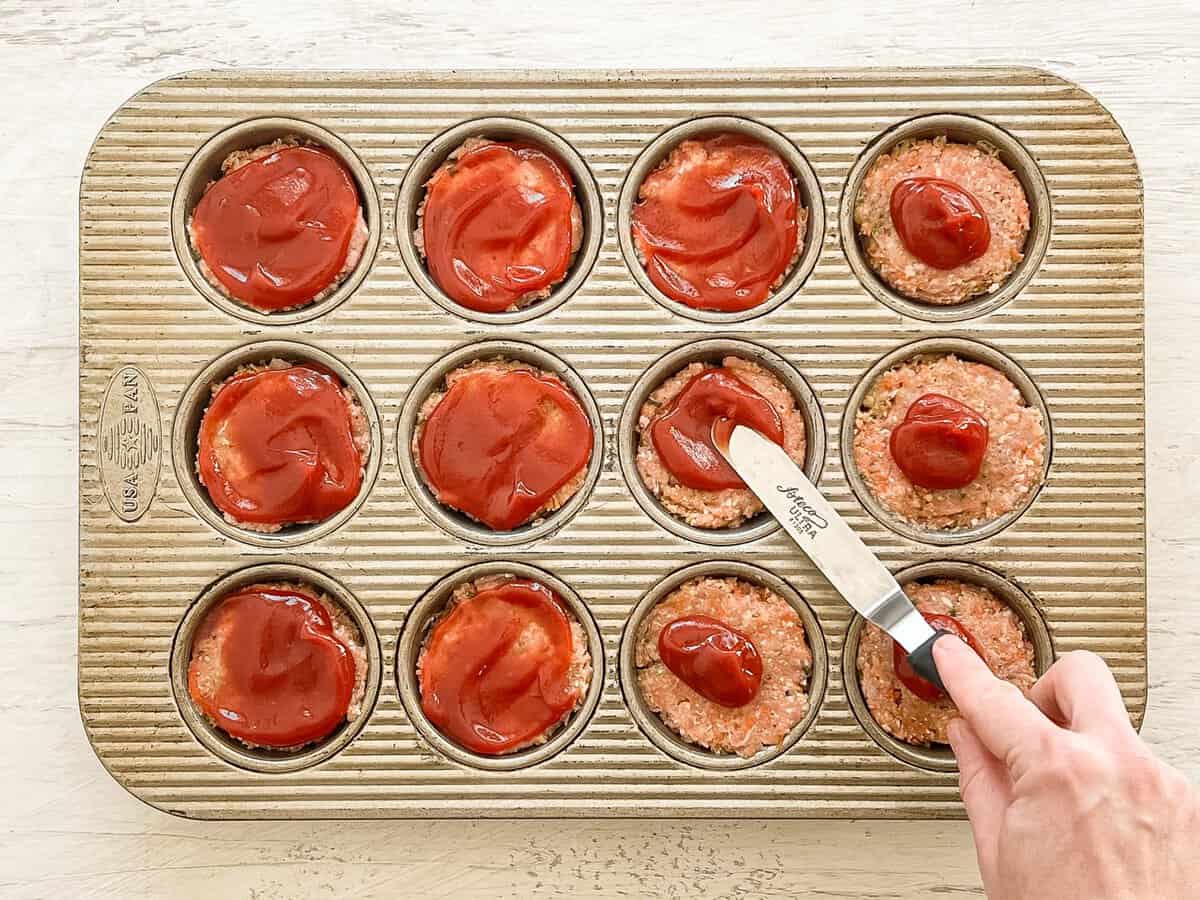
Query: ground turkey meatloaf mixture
x=564 y=493
x=728 y=507
x=446 y=171
x=354 y=252
x=1013 y=462
x=995 y=627
x=984 y=177
x=777 y=632
x=579 y=673
x=360 y=430
x=205 y=670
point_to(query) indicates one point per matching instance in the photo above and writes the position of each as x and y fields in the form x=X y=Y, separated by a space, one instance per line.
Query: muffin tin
x=153 y=335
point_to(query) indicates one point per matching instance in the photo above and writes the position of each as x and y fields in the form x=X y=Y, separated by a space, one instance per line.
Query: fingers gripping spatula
x=829 y=542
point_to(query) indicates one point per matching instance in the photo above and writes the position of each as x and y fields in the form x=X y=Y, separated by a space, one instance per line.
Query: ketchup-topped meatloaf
x=917 y=711
x=499 y=225
x=942 y=222
x=504 y=666
x=676 y=458
x=282 y=444
x=281 y=228
x=504 y=442
x=725 y=663
x=278 y=666
x=718 y=225
x=948 y=443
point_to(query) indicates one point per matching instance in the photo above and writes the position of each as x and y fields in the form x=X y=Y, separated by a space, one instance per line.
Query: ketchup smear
x=719 y=228
x=495 y=673
x=939 y=222
x=927 y=690
x=497 y=225
x=276 y=446
x=714 y=659
x=941 y=443
x=276 y=231
x=282 y=678
x=713 y=401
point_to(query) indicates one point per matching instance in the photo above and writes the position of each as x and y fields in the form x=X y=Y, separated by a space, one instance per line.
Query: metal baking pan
x=152 y=333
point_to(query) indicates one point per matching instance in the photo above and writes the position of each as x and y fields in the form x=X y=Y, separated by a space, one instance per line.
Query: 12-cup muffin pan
x=1067 y=327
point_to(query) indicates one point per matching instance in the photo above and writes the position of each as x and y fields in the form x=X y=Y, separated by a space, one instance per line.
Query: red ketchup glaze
x=927 y=690
x=940 y=444
x=497 y=225
x=939 y=222
x=717 y=232
x=277 y=447
x=500 y=444
x=714 y=659
x=495 y=672
x=276 y=232
x=713 y=401
x=285 y=678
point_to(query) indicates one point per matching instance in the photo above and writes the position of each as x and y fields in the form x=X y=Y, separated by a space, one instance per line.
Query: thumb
x=1006 y=723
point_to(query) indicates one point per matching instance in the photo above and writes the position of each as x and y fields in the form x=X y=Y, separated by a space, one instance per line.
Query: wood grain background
x=68 y=829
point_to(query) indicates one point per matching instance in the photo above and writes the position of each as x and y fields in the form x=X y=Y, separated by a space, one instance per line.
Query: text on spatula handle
x=801 y=515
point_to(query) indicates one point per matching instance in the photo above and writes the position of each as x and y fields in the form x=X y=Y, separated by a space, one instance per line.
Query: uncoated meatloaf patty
x=579 y=673
x=983 y=176
x=998 y=630
x=1013 y=463
x=729 y=507
x=204 y=666
x=354 y=252
x=778 y=634
x=560 y=497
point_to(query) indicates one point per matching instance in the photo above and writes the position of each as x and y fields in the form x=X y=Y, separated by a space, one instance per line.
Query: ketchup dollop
x=495 y=672
x=276 y=231
x=501 y=443
x=276 y=446
x=714 y=659
x=939 y=222
x=715 y=400
x=717 y=225
x=282 y=677
x=927 y=690
x=497 y=224
x=941 y=443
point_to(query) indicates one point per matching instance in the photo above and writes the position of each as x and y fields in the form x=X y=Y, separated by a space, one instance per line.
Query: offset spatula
x=829 y=542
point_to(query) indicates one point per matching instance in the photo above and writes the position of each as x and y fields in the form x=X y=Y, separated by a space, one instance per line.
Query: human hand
x=1064 y=799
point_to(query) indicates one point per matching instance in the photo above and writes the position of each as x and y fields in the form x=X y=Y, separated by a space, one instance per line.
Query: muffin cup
x=412 y=637
x=808 y=191
x=459 y=524
x=964 y=349
x=667 y=739
x=939 y=758
x=713 y=350
x=205 y=167
x=217 y=741
x=185 y=440
x=964 y=130
x=426 y=162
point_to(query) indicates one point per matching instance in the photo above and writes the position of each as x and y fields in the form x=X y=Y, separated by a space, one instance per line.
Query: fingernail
x=943 y=647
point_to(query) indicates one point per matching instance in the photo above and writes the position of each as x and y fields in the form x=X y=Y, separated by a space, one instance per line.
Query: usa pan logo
x=129 y=443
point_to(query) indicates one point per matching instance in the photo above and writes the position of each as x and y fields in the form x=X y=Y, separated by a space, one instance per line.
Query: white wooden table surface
x=66 y=829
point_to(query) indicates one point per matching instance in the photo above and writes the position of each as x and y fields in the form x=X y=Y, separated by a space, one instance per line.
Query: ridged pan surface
x=146 y=332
